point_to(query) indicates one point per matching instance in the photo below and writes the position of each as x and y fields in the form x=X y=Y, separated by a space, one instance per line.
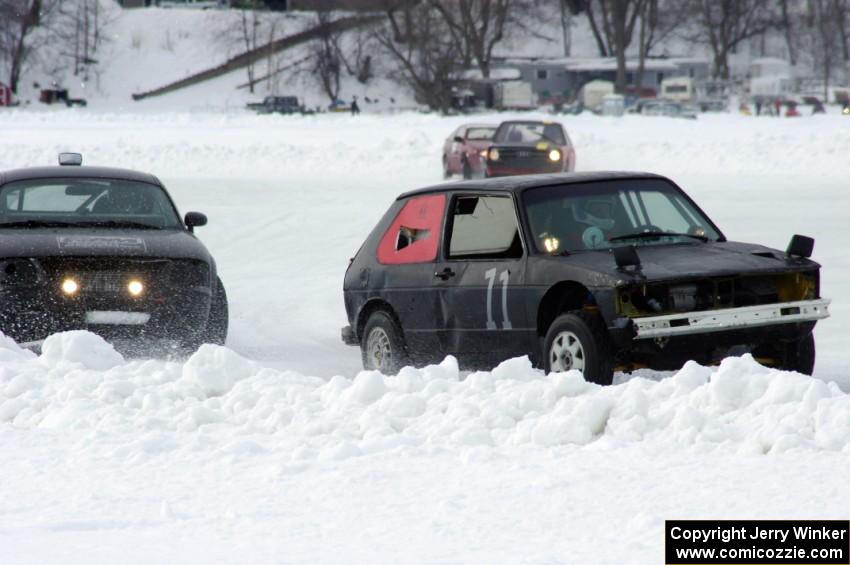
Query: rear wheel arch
x=371 y=306
x=562 y=297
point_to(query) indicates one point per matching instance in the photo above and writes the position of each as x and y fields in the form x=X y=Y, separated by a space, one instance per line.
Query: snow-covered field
x=277 y=449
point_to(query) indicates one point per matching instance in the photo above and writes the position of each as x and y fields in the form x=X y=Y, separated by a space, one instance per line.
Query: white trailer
x=680 y=89
x=514 y=95
x=773 y=86
x=594 y=91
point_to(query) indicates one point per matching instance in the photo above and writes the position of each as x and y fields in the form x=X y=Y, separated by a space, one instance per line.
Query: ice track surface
x=278 y=449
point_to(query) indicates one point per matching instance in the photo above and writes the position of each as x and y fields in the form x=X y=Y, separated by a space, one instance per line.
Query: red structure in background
x=5 y=95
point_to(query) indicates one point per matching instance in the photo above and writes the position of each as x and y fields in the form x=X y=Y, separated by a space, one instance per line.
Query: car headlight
x=483 y=153
x=135 y=287
x=554 y=155
x=70 y=286
x=494 y=154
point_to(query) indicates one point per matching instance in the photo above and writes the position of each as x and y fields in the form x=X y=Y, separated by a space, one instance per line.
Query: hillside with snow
x=147 y=48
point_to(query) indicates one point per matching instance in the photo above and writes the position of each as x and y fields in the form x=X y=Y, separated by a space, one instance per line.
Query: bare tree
x=659 y=20
x=600 y=33
x=358 y=60
x=823 y=31
x=789 y=25
x=477 y=25
x=613 y=23
x=249 y=32
x=78 y=30
x=841 y=10
x=327 y=60
x=18 y=19
x=417 y=38
x=725 y=24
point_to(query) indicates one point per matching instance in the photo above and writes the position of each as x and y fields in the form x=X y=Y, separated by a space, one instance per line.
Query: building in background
x=560 y=80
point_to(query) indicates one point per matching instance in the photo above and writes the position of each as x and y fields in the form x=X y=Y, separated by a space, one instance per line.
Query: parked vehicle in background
x=678 y=89
x=668 y=108
x=593 y=272
x=196 y=4
x=514 y=95
x=529 y=147
x=278 y=105
x=339 y=106
x=613 y=105
x=465 y=149
x=59 y=95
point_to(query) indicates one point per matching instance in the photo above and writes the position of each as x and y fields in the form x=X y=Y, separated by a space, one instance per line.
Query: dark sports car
x=595 y=272
x=105 y=250
x=529 y=147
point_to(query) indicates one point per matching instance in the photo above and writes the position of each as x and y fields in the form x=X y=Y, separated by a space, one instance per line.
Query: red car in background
x=465 y=148
x=529 y=147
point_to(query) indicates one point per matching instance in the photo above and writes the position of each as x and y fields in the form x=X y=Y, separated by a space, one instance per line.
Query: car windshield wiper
x=117 y=224
x=36 y=224
x=657 y=234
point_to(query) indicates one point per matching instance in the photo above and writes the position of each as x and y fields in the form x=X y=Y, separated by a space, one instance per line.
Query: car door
x=407 y=253
x=480 y=277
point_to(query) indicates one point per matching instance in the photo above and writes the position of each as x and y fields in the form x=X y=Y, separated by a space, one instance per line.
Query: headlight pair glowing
x=71 y=287
x=554 y=155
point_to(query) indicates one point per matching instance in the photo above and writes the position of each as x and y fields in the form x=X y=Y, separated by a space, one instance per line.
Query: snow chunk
x=215 y=369
x=80 y=348
x=367 y=387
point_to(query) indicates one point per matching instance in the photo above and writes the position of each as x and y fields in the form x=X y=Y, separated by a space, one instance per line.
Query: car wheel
x=216 y=330
x=467 y=170
x=797 y=355
x=579 y=341
x=446 y=172
x=382 y=344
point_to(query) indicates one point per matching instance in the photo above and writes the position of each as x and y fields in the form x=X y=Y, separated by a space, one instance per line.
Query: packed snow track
x=277 y=448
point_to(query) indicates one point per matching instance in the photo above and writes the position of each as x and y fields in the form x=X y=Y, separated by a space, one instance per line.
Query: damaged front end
x=703 y=319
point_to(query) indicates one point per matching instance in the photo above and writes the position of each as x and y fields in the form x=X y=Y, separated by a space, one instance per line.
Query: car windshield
x=86 y=202
x=602 y=215
x=480 y=134
x=530 y=132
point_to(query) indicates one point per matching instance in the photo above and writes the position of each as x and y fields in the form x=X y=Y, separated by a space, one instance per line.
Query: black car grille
x=112 y=275
x=525 y=157
x=104 y=281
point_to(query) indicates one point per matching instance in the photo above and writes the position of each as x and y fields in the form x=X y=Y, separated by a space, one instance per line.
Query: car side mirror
x=801 y=246
x=194 y=219
x=458 y=139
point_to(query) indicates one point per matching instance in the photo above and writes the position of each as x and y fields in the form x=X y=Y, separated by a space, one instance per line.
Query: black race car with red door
x=465 y=149
x=595 y=272
x=529 y=147
x=105 y=250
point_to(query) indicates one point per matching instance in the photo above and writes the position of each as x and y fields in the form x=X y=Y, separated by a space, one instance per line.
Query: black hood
x=688 y=261
x=88 y=242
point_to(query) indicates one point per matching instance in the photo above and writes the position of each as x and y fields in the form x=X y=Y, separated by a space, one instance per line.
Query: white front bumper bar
x=688 y=323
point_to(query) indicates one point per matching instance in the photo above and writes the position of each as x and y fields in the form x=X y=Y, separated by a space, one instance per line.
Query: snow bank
x=79 y=380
